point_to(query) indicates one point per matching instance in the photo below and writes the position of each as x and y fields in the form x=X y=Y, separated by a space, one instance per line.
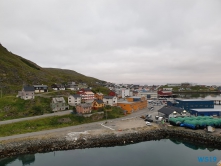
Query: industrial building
x=206 y=112
x=172 y=112
x=189 y=104
x=132 y=104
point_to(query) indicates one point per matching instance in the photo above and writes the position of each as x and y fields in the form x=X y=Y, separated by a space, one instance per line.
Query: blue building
x=206 y=112
x=189 y=104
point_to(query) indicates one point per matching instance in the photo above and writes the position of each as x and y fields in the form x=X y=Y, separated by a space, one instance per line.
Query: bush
x=100 y=109
x=37 y=110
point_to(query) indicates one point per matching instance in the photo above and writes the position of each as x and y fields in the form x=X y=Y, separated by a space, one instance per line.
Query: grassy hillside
x=16 y=71
x=12 y=107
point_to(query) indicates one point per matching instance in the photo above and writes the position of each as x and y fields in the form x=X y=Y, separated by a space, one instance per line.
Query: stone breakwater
x=80 y=140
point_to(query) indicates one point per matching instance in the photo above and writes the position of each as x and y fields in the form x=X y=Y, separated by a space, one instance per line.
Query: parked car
x=149 y=116
x=148 y=120
x=148 y=124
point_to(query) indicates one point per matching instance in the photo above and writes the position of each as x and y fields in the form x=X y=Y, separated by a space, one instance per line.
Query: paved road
x=84 y=127
x=36 y=117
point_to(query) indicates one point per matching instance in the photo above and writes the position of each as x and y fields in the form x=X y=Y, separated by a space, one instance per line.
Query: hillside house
x=96 y=104
x=99 y=96
x=58 y=104
x=40 y=88
x=28 y=92
x=110 y=100
x=74 y=100
x=87 y=95
x=83 y=108
x=84 y=90
x=57 y=87
x=112 y=93
x=72 y=86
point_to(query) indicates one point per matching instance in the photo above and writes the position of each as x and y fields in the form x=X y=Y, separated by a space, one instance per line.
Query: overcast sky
x=121 y=41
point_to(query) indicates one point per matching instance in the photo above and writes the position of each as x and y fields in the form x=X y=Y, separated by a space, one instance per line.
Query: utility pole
x=106 y=115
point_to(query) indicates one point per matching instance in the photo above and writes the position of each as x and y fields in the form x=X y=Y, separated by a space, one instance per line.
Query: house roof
x=89 y=93
x=207 y=110
x=86 y=90
x=29 y=88
x=85 y=105
x=43 y=86
x=76 y=95
x=108 y=97
x=99 y=101
x=99 y=94
x=58 y=100
x=167 y=110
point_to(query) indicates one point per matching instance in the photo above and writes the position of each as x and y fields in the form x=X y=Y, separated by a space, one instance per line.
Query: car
x=148 y=116
x=148 y=120
x=148 y=124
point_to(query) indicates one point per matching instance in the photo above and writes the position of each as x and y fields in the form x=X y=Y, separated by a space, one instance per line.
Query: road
x=83 y=127
x=36 y=117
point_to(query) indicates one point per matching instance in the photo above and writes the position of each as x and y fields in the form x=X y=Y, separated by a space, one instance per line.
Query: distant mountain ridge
x=16 y=71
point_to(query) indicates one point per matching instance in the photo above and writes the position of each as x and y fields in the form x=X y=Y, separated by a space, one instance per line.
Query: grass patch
x=41 y=124
x=13 y=108
x=54 y=122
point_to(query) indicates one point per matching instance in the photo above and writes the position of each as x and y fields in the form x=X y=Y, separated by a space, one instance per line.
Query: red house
x=162 y=93
x=83 y=90
x=112 y=93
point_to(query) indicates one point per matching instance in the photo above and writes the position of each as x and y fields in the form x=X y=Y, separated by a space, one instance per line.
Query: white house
x=40 y=88
x=125 y=92
x=58 y=104
x=73 y=100
x=28 y=92
x=110 y=100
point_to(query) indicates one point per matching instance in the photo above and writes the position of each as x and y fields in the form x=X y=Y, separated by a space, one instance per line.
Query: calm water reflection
x=151 y=153
x=212 y=96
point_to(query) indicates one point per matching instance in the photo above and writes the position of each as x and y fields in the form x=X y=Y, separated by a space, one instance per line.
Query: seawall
x=85 y=140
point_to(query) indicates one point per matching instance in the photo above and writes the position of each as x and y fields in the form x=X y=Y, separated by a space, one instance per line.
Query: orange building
x=99 y=96
x=133 y=104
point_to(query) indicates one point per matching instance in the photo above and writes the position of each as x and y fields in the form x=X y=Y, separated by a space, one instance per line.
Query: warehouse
x=189 y=104
x=170 y=111
x=206 y=112
x=132 y=104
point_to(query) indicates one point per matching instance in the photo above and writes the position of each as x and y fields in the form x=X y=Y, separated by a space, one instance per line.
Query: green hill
x=16 y=71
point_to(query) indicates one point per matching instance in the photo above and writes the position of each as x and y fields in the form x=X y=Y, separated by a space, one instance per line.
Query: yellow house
x=97 y=104
x=133 y=104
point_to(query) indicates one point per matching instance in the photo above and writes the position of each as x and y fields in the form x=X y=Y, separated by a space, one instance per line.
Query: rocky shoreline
x=81 y=140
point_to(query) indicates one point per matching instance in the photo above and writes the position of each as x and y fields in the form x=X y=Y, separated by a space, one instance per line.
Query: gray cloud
x=122 y=41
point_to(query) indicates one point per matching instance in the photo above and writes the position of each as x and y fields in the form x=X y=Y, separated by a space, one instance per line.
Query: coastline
x=176 y=92
x=104 y=138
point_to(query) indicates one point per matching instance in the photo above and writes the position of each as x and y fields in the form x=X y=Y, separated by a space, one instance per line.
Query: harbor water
x=151 y=153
